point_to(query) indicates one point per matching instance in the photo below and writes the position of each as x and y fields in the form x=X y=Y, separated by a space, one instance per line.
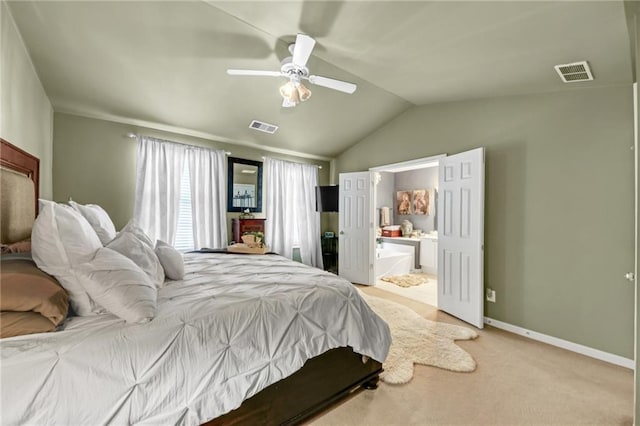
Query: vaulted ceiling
x=163 y=63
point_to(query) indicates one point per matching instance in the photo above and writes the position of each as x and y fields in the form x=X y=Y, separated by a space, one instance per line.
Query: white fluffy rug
x=406 y=280
x=419 y=340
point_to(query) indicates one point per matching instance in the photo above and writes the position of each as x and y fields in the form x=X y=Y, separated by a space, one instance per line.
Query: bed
x=242 y=339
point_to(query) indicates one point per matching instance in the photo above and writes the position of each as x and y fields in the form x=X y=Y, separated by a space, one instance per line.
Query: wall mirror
x=244 y=185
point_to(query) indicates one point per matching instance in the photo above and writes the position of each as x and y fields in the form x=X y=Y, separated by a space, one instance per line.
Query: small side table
x=240 y=226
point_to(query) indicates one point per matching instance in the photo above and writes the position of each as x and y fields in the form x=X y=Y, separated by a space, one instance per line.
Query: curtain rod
x=132 y=135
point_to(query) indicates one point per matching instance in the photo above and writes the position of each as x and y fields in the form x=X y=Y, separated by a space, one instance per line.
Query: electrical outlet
x=491 y=295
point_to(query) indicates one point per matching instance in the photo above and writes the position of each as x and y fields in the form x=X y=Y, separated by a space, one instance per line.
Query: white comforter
x=235 y=325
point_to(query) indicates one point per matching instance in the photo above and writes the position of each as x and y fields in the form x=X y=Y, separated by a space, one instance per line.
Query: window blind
x=184 y=232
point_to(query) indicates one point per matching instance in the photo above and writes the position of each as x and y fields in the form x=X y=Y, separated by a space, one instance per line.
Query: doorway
x=459 y=228
x=405 y=261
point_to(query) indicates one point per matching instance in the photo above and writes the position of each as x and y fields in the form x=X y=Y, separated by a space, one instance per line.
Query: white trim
x=188 y=132
x=407 y=165
x=564 y=344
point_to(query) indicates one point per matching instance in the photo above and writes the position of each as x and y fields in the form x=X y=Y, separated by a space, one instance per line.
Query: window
x=180 y=194
x=184 y=231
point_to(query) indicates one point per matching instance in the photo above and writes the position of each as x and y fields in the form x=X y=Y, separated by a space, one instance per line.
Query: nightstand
x=240 y=226
x=330 y=254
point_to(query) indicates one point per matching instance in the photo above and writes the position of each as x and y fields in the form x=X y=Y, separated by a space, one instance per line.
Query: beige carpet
x=406 y=280
x=517 y=382
x=420 y=341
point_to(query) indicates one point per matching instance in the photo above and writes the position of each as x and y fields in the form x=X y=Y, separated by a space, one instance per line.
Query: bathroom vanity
x=429 y=254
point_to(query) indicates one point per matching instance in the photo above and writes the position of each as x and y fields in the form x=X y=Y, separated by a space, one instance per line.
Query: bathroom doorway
x=458 y=226
x=406 y=234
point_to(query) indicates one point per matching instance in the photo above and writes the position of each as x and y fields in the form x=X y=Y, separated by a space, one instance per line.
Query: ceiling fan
x=294 y=68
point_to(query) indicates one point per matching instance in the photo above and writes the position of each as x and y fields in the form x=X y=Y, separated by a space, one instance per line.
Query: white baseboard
x=564 y=344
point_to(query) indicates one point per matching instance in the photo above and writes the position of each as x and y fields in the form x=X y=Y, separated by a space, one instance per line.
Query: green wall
x=26 y=115
x=95 y=162
x=558 y=204
x=634 y=26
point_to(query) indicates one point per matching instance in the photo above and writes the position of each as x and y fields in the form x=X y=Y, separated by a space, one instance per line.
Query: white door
x=461 y=236
x=355 y=239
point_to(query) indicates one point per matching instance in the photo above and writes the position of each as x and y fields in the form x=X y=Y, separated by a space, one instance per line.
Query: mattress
x=235 y=325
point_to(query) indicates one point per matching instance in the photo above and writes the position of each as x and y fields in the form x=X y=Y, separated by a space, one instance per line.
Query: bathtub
x=391 y=261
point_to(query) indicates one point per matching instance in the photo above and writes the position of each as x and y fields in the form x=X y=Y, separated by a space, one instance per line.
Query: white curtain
x=158 y=192
x=208 y=197
x=292 y=220
x=157 y=197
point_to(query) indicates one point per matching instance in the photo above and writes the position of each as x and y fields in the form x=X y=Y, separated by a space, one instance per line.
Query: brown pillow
x=19 y=247
x=19 y=323
x=25 y=288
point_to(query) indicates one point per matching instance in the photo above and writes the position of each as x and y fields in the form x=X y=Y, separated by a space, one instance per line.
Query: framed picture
x=421 y=201
x=244 y=195
x=328 y=234
x=403 y=202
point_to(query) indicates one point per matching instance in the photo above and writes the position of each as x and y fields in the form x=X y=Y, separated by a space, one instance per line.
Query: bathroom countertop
x=430 y=236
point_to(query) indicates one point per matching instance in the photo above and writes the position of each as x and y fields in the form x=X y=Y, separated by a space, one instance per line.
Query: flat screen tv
x=327 y=198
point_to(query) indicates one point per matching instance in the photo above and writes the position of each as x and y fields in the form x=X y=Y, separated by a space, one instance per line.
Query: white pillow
x=119 y=285
x=98 y=219
x=60 y=239
x=171 y=260
x=127 y=244
x=138 y=232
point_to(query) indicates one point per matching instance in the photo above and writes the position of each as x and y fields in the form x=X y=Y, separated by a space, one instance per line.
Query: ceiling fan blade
x=255 y=72
x=331 y=83
x=302 y=50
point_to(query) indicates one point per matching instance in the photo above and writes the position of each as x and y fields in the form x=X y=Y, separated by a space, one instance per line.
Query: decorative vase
x=406 y=227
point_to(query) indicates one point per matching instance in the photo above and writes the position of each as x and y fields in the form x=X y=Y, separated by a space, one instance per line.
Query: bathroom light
x=293 y=92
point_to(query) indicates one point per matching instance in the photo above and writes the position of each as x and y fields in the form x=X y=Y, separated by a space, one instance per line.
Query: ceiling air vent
x=263 y=127
x=577 y=71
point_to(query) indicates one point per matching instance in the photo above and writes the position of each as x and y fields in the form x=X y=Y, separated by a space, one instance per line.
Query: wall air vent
x=577 y=71
x=263 y=127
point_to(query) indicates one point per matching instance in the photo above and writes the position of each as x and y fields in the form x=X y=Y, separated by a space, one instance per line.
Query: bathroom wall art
x=403 y=202
x=421 y=201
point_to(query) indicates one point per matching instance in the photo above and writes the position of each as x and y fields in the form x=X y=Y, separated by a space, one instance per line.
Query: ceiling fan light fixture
x=289 y=91
x=288 y=103
x=303 y=92
x=295 y=69
x=286 y=90
x=293 y=92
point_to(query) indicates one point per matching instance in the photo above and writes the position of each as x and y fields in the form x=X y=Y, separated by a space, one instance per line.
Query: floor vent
x=263 y=127
x=577 y=71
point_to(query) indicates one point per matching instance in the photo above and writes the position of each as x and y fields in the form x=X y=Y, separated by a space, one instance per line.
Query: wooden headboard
x=13 y=158
x=24 y=164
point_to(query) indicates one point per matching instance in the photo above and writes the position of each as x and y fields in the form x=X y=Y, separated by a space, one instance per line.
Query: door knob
x=630 y=276
x=341 y=232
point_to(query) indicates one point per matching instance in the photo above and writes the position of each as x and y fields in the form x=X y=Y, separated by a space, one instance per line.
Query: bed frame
x=322 y=381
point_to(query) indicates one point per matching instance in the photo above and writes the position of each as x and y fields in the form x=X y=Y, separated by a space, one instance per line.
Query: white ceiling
x=164 y=62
